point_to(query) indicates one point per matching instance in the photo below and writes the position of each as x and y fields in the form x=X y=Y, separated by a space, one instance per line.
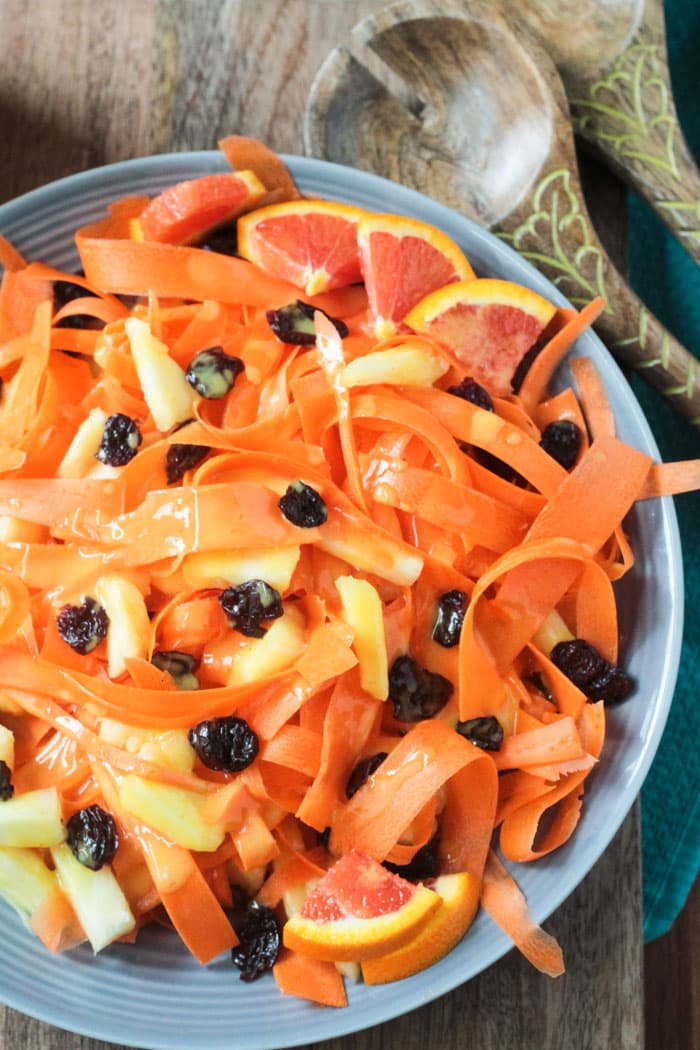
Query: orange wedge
x=488 y=325
x=459 y=901
x=189 y=210
x=358 y=910
x=312 y=244
x=403 y=260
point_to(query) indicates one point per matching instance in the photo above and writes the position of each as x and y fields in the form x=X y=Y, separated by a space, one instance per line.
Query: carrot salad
x=305 y=582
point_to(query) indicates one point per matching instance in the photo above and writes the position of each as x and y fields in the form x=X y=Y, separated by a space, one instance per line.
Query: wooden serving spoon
x=612 y=57
x=485 y=129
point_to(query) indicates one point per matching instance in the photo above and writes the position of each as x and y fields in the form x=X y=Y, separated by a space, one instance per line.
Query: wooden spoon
x=488 y=133
x=612 y=57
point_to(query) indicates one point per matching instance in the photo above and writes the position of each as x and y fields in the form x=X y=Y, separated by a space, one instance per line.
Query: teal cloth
x=669 y=282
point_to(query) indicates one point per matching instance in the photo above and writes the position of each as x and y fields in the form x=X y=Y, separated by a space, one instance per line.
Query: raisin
x=92 y=837
x=562 y=441
x=226 y=744
x=120 y=440
x=65 y=292
x=362 y=772
x=180 y=667
x=303 y=506
x=540 y=684
x=6 y=788
x=590 y=672
x=415 y=692
x=497 y=466
x=83 y=627
x=449 y=618
x=223 y=240
x=423 y=865
x=485 y=732
x=260 y=940
x=180 y=458
x=324 y=837
x=470 y=390
x=294 y=323
x=248 y=604
x=213 y=372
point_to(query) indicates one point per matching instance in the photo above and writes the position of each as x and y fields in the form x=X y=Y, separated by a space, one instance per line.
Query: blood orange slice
x=403 y=260
x=488 y=325
x=459 y=900
x=312 y=244
x=358 y=910
x=188 y=210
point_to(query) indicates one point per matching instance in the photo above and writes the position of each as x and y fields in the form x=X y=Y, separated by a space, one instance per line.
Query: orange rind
x=357 y=911
x=459 y=901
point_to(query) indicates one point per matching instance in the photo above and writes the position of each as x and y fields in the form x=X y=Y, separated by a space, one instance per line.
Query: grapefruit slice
x=358 y=910
x=459 y=900
x=312 y=244
x=487 y=324
x=189 y=210
x=403 y=260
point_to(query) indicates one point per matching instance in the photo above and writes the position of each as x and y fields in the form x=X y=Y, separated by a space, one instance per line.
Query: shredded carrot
x=211 y=539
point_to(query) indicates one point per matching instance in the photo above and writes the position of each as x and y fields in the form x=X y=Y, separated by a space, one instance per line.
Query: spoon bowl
x=486 y=130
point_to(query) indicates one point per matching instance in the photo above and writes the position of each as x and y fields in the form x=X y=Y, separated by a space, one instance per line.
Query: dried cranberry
x=226 y=744
x=362 y=772
x=294 y=323
x=83 y=627
x=449 y=618
x=562 y=441
x=485 y=732
x=180 y=666
x=415 y=692
x=303 y=506
x=470 y=390
x=92 y=837
x=180 y=458
x=260 y=940
x=590 y=672
x=213 y=372
x=6 y=788
x=423 y=865
x=249 y=604
x=120 y=440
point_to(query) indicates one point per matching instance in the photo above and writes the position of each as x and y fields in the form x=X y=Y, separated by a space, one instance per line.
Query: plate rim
x=301 y=167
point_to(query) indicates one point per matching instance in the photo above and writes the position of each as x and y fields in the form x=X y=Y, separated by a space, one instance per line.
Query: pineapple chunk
x=169 y=748
x=262 y=657
x=34 y=819
x=222 y=569
x=25 y=881
x=7 y=746
x=165 y=389
x=129 y=626
x=173 y=811
x=96 y=897
x=15 y=530
x=551 y=632
x=80 y=455
x=410 y=364
x=382 y=557
x=362 y=611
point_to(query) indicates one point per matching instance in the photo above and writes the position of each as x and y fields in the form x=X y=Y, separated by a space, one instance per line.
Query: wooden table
x=88 y=82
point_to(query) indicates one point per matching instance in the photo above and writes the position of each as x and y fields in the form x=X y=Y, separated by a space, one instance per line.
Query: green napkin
x=669 y=282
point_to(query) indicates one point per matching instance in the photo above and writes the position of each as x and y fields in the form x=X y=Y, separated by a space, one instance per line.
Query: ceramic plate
x=153 y=995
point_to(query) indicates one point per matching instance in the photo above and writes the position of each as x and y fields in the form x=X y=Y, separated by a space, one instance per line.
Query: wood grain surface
x=87 y=82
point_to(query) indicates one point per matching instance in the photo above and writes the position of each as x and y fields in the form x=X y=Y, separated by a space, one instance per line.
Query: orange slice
x=187 y=211
x=312 y=244
x=403 y=260
x=488 y=325
x=459 y=901
x=358 y=910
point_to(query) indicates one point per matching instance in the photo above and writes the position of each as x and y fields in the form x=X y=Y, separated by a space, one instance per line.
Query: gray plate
x=153 y=995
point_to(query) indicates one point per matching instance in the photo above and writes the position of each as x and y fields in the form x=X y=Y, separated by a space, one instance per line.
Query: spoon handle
x=557 y=235
x=627 y=113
